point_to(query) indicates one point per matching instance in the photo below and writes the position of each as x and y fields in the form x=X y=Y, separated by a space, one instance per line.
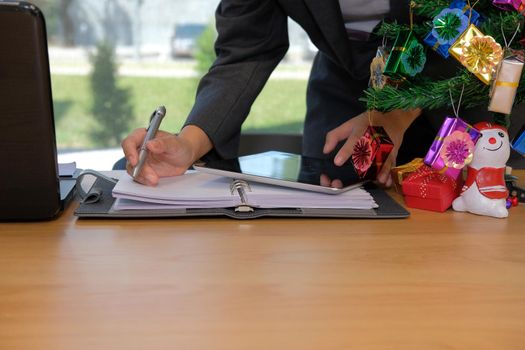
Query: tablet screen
x=287 y=169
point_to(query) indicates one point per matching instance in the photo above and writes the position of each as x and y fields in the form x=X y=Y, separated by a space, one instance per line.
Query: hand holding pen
x=167 y=154
x=154 y=124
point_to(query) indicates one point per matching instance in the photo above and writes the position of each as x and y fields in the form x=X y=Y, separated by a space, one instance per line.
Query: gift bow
x=411 y=166
x=428 y=174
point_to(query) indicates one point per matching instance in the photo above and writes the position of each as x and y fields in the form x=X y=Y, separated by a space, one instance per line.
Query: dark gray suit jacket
x=252 y=40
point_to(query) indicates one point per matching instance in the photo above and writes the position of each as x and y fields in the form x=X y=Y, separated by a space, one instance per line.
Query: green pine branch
x=502 y=20
x=428 y=94
x=429 y=9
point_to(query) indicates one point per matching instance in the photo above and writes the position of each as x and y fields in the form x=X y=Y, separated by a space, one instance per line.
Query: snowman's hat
x=488 y=126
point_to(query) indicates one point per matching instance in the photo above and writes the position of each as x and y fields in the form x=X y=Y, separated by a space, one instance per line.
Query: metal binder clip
x=91 y=179
x=241 y=187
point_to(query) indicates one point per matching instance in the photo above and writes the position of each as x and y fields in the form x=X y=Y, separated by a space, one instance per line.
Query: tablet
x=286 y=169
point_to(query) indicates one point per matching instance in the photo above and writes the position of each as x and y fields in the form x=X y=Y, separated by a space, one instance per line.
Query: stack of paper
x=201 y=190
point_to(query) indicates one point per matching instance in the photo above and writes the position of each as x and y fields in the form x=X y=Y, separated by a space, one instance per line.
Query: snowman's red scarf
x=490 y=181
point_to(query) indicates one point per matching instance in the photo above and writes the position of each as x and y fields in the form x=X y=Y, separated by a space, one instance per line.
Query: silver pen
x=154 y=124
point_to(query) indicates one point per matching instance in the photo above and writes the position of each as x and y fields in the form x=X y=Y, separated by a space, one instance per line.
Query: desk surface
x=433 y=281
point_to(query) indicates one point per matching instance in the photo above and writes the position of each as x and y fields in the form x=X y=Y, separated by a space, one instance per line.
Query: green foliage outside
x=111 y=107
x=280 y=108
x=205 y=53
x=97 y=111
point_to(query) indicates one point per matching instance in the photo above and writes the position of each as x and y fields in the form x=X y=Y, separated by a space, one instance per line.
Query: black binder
x=97 y=202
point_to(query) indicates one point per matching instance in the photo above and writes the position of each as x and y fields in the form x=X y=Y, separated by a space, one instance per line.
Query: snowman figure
x=485 y=192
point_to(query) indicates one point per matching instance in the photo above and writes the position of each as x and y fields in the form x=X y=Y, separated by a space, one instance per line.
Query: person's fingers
x=139 y=178
x=389 y=181
x=334 y=136
x=131 y=144
x=163 y=142
x=157 y=146
x=129 y=168
x=346 y=151
x=325 y=180
x=383 y=176
x=337 y=183
x=147 y=176
x=152 y=179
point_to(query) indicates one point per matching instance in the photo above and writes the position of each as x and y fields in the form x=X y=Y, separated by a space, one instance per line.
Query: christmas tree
x=482 y=35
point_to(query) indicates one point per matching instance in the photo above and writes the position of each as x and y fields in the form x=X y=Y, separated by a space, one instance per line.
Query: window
x=114 y=61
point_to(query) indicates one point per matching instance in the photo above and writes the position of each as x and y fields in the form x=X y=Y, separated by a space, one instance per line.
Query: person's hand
x=395 y=124
x=168 y=154
x=326 y=181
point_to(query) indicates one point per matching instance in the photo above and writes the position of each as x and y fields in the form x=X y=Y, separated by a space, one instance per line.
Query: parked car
x=184 y=39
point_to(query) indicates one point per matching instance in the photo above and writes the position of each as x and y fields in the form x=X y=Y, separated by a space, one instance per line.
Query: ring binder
x=95 y=186
x=241 y=186
x=198 y=194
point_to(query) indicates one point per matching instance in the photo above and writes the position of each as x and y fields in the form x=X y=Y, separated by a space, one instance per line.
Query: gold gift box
x=456 y=50
x=401 y=172
x=506 y=85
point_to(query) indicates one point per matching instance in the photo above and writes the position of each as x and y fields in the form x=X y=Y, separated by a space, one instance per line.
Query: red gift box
x=371 y=151
x=429 y=190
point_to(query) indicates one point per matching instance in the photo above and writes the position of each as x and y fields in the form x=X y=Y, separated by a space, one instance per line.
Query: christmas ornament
x=448 y=25
x=362 y=155
x=428 y=189
x=519 y=142
x=505 y=85
x=401 y=172
x=370 y=152
x=507 y=5
x=407 y=57
x=426 y=91
x=457 y=150
x=377 y=79
x=451 y=151
x=485 y=191
x=479 y=53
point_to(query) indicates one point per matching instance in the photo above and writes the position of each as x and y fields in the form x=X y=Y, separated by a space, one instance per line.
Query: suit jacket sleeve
x=252 y=39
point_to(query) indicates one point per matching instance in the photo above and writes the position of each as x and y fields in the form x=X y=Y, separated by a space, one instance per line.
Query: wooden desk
x=434 y=281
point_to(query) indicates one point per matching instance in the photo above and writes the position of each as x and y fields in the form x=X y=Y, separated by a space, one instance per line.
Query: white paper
x=201 y=190
x=67 y=169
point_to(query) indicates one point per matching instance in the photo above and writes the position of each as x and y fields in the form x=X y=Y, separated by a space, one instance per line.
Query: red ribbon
x=428 y=174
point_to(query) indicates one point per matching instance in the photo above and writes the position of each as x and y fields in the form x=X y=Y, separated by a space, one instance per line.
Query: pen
x=154 y=124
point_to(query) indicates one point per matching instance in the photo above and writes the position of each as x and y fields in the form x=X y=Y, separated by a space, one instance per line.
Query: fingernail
x=338 y=160
x=150 y=179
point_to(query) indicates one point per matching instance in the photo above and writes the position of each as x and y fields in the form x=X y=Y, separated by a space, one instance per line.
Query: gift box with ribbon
x=429 y=190
x=407 y=57
x=448 y=25
x=371 y=151
x=453 y=147
x=507 y=5
x=518 y=144
x=401 y=172
x=479 y=53
x=506 y=84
